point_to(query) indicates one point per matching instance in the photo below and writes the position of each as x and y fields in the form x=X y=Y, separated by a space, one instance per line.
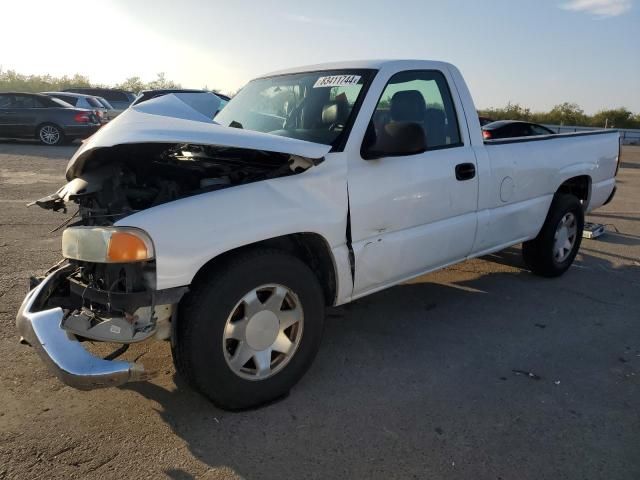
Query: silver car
x=89 y=102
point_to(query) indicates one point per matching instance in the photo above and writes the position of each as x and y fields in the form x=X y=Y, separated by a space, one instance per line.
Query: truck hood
x=168 y=119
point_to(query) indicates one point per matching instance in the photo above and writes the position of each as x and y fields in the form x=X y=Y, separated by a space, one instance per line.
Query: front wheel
x=50 y=134
x=249 y=332
x=552 y=252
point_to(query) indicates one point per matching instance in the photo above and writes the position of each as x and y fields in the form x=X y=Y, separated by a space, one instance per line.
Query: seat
x=408 y=106
x=336 y=112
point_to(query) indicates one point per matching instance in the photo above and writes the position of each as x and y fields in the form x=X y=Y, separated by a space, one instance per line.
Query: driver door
x=411 y=213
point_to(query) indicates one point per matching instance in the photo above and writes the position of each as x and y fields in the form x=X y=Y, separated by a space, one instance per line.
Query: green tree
x=162 y=82
x=10 y=80
x=512 y=111
x=614 y=118
x=132 y=84
x=566 y=114
x=136 y=84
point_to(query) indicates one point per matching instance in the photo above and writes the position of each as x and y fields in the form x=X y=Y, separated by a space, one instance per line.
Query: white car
x=314 y=186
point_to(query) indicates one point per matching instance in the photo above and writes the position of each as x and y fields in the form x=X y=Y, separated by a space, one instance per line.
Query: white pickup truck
x=314 y=186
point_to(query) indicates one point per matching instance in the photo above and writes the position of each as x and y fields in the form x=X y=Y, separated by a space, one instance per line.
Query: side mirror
x=396 y=139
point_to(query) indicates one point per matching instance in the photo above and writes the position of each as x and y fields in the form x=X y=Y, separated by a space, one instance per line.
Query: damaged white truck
x=312 y=187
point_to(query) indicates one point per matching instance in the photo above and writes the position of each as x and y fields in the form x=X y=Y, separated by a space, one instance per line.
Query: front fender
x=189 y=232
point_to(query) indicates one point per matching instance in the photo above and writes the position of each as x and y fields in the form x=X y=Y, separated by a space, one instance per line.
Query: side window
x=25 y=101
x=521 y=130
x=422 y=99
x=537 y=130
x=70 y=100
x=5 y=101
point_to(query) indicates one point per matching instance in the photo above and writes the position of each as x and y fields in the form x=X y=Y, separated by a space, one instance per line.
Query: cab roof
x=394 y=64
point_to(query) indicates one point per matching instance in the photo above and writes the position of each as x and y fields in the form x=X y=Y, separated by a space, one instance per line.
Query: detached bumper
x=65 y=356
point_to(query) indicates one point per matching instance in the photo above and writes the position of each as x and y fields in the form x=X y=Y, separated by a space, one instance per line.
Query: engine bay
x=118 y=181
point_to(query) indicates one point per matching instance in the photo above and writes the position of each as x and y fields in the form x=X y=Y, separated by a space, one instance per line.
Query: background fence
x=628 y=136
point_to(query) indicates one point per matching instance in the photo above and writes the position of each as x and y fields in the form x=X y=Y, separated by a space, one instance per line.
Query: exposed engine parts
x=121 y=180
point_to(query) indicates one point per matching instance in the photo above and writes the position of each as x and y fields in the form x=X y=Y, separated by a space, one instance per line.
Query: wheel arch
x=312 y=248
x=578 y=186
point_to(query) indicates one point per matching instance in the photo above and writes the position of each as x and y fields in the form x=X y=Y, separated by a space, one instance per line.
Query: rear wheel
x=552 y=252
x=248 y=333
x=50 y=134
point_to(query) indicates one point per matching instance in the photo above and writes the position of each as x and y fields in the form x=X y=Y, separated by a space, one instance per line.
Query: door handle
x=465 y=171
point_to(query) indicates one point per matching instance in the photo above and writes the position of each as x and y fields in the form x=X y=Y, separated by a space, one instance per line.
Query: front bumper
x=63 y=354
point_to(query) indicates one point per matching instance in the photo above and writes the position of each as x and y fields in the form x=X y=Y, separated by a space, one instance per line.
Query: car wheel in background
x=50 y=134
x=552 y=252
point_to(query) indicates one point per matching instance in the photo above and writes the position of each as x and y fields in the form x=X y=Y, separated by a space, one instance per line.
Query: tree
x=132 y=84
x=512 y=111
x=614 y=118
x=135 y=84
x=10 y=80
x=162 y=82
x=566 y=114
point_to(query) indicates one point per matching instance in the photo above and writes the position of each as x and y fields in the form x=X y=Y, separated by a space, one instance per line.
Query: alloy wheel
x=565 y=237
x=49 y=135
x=263 y=332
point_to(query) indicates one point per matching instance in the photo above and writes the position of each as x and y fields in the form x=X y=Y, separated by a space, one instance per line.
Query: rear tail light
x=486 y=135
x=82 y=117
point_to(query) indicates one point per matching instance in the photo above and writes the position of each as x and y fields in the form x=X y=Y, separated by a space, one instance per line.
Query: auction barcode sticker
x=337 y=81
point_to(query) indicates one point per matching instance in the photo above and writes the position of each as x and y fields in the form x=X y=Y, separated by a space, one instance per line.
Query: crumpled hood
x=168 y=119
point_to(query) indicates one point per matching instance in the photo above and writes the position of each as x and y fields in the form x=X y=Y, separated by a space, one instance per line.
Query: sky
x=536 y=53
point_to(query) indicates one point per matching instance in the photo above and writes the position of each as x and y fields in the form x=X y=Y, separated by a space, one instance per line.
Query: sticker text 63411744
x=337 y=81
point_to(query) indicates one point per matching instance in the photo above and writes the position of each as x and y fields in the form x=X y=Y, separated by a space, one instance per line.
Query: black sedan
x=52 y=121
x=513 y=128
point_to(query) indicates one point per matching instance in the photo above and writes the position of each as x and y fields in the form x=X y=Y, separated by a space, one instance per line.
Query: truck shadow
x=415 y=377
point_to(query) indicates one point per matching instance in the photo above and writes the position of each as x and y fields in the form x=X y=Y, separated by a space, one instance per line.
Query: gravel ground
x=419 y=381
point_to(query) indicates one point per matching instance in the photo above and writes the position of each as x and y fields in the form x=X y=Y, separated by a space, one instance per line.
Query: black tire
x=538 y=253
x=198 y=344
x=50 y=134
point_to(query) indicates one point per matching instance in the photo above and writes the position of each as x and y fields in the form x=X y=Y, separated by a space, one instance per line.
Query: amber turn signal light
x=127 y=247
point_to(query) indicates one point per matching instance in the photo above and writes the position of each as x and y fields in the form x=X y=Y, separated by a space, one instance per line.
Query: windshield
x=314 y=106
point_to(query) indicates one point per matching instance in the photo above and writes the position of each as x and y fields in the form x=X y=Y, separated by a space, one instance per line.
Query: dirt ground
x=419 y=381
